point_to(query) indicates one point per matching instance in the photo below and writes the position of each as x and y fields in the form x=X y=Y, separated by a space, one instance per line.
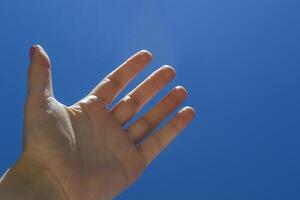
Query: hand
x=83 y=151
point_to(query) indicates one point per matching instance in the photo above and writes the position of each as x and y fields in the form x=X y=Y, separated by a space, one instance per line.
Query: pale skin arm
x=83 y=151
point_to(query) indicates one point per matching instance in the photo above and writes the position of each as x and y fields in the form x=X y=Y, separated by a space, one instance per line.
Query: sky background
x=239 y=59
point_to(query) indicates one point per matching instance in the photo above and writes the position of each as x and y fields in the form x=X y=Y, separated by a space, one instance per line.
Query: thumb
x=39 y=74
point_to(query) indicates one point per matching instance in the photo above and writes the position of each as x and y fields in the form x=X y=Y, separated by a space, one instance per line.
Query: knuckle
x=157 y=143
x=115 y=84
x=149 y=126
x=174 y=126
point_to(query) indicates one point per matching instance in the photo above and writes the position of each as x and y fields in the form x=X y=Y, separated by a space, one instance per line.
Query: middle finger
x=136 y=99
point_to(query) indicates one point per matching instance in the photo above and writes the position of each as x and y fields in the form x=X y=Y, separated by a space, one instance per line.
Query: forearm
x=22 y=183
x=26 y=182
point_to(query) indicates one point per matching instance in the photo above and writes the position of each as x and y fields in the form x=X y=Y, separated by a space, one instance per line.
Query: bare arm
x=83 y=151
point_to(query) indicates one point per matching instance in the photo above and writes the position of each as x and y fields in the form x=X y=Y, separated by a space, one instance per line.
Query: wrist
x=26 y=180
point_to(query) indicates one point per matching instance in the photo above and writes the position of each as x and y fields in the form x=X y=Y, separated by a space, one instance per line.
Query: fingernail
x=170 y=70
x=181 y=91
x=145 y=52
x=180 y=88
x=31 y=52
x=188 y=109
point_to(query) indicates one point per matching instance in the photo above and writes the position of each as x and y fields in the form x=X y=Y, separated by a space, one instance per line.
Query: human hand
x=83 y=151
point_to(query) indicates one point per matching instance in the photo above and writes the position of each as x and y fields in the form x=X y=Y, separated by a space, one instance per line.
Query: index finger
x=109 y=88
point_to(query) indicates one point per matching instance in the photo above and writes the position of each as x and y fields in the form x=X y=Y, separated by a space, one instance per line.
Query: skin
x=83 y=151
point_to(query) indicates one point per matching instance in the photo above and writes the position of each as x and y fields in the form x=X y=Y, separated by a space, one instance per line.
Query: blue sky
x=238 y=59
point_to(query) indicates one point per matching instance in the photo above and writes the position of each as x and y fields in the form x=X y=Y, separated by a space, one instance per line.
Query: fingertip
x=180 y=89
x=191 y=110
x=188 y=111
x=39 y=55
x=169 y=69
x=146 y=52
x=146 y=55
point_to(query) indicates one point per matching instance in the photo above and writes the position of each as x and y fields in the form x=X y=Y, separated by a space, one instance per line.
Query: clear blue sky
x=240 y=61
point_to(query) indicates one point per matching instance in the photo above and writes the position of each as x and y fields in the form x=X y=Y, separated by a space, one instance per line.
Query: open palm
x=84 y=149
